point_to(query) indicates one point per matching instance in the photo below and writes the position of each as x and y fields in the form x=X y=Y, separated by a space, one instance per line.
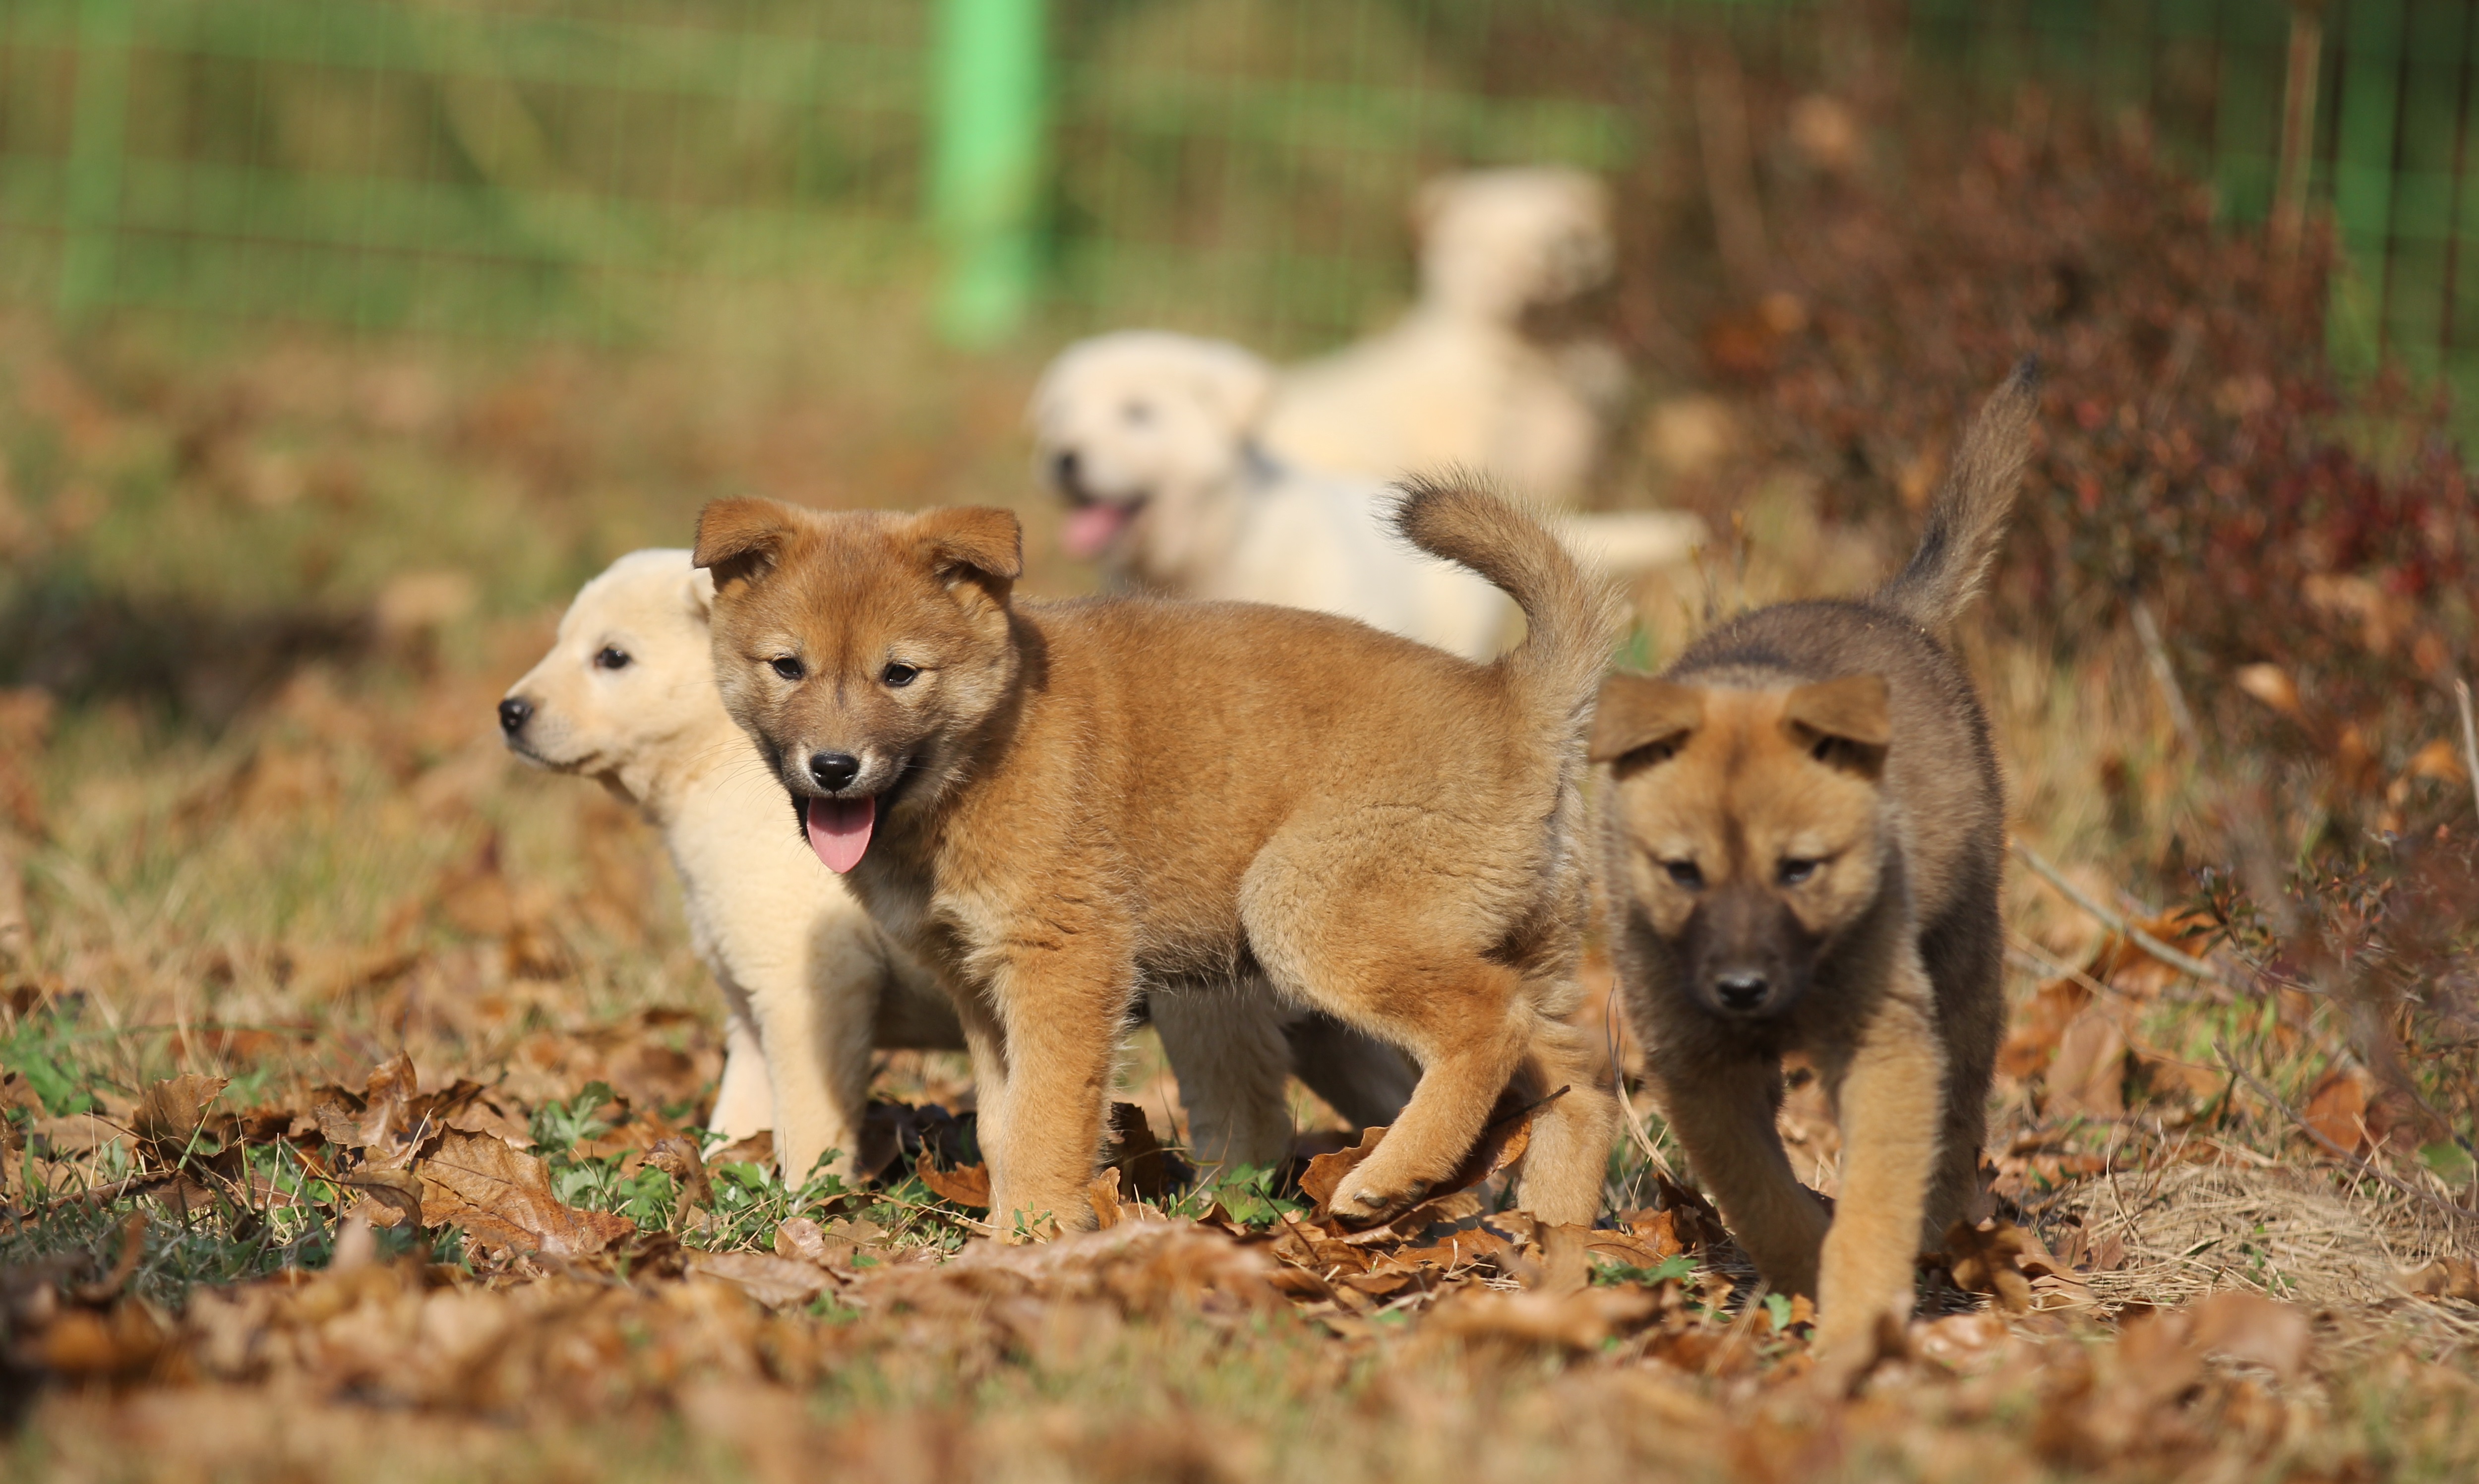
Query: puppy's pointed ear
x=974 y=540
x=700 y=593
x=1637 y=711
x=739 y=540
x=1846 y=723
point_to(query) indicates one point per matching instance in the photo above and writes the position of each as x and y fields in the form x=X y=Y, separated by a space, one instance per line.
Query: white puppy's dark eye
x=1792 y=872
x=789 y=668
x=1138 y=412
x=612 y=658
x=899 y=674
x=1685 y=874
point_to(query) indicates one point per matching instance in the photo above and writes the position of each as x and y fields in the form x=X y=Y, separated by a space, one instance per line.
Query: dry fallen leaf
x=777 y=1281
x=2253 y=1328
x=968 y=1186
x=1998 y=1258
x=2337 y=1106
x=502 y=1197
x=2447 y=1277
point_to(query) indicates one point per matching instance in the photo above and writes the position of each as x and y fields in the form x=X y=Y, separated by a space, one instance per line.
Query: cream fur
x=1457 y=382
x=1158 y=430
x=810 y=984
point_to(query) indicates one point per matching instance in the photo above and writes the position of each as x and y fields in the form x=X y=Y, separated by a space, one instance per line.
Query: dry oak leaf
x=2342 y=1106
x=1501 y=1143
x=502 y=1197
x=968 y=1186
x=2255 y=1329
x=2447 y=1277
x=1998 y=1258
x=1576 y=1320
x=1142 y=1269
x=777 y=1281
x=170 y=1122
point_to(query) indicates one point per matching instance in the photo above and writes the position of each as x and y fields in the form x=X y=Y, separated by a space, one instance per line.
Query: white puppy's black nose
x=514 y=713
x=834 y=771
x=1063 y=469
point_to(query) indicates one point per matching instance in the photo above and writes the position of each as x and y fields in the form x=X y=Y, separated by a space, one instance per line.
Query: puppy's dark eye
x=897 y=673
x=612 y=658
x=1791 y=873
x=1685 y=874
x=1138 y=412
x=789 y=668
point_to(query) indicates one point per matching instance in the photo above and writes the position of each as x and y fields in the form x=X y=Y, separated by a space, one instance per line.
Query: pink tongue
x=839 y=830
x=1090 y=529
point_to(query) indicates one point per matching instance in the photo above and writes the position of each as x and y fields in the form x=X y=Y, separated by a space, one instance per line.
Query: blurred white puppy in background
x=627 y=697
x=1459 y=381
x=1151 y=439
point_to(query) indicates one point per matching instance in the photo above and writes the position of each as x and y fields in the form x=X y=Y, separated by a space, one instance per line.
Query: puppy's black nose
x=1742 y=990
x=834 y=771
x=1063 y=470
x=514 y=713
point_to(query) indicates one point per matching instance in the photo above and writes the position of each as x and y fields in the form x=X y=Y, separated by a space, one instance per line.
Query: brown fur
x=1803 y=845
x=1077 y=799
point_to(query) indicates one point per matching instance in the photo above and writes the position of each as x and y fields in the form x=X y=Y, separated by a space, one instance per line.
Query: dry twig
x=2117 y=923
x=2357 y=1163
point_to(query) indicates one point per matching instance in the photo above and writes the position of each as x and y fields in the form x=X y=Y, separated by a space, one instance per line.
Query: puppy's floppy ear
x=1844 y=723
x=739 y=540
x=975 y=541
x=1236 y=385
x=1637 y=711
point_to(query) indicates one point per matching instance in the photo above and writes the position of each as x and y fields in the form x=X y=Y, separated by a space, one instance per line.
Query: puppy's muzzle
x=833 y=772
x=1741 y=994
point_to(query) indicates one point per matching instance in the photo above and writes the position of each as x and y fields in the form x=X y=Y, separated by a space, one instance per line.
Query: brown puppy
x=1802 y=844
x=1055 y=804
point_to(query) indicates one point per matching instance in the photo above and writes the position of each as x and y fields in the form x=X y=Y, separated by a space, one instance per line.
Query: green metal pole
x=98 y=128
x=986 y=162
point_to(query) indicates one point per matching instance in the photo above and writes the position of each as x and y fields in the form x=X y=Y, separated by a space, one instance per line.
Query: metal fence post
x=987 y=161
x=98 y=130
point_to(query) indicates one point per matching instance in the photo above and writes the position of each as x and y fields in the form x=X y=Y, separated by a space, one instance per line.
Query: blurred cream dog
x=1458 y=382
x=627 y=697
x=1150 y=438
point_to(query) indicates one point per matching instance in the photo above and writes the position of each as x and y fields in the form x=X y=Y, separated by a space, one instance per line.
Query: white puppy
x=1150 y=437
x=626 y=696
x=1458 y=381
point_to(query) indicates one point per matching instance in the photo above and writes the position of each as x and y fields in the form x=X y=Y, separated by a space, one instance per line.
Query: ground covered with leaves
x=352 y=1078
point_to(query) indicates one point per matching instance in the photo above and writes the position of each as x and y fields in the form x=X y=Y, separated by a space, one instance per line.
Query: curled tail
x=1968 y=516
x=1571 y=621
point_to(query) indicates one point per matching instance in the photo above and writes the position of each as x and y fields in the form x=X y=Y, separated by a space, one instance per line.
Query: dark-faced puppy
x=1056 y=805
x=1803 y=849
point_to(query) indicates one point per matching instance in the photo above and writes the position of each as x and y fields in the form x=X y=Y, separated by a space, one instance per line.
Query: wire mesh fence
x=590 y=167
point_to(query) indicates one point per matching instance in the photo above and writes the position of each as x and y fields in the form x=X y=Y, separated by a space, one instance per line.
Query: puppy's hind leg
x=1568 y=1153
x=1226 y=1045
x=1359 y=1076
x=1470 y=1036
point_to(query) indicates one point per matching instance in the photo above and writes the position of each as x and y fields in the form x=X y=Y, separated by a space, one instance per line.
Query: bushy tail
x=1968 y=516
x=1572 y=620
